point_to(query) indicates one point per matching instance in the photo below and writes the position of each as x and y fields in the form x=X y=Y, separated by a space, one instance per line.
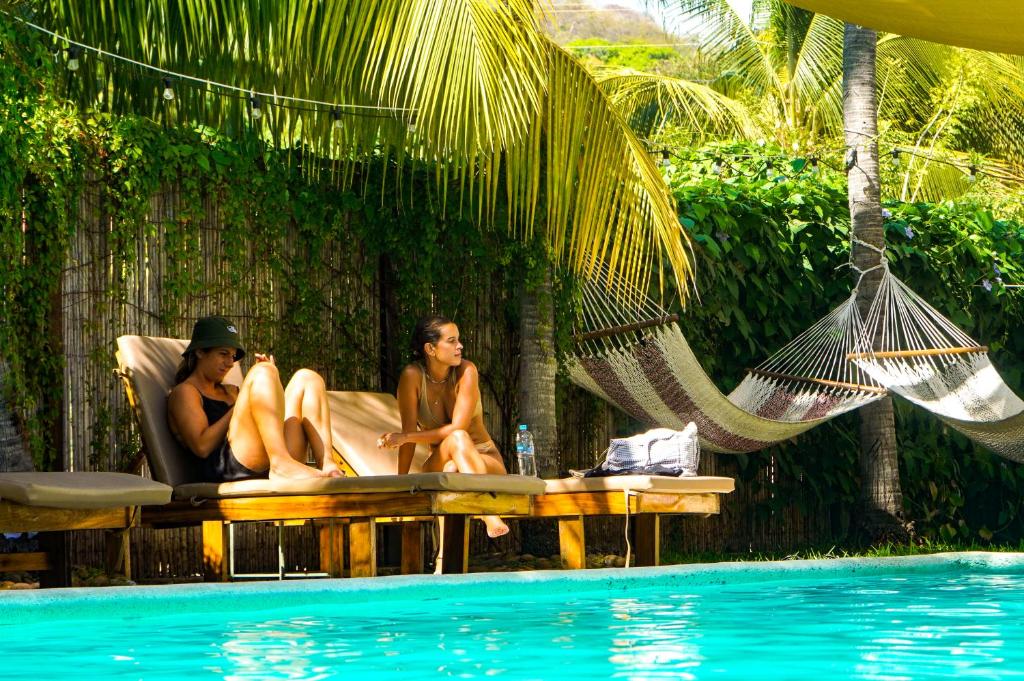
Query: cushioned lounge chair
x=147 y=366
x=61 y=501
x=359 y=417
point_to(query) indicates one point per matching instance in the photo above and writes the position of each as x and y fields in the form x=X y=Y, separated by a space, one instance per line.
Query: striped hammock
x=843 y=362
x=915 y=352
x=648 y=370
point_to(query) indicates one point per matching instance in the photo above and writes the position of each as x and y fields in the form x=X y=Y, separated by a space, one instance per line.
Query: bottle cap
x=522 y=426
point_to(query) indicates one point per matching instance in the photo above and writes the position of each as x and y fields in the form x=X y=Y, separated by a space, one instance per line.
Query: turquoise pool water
x=952 y=616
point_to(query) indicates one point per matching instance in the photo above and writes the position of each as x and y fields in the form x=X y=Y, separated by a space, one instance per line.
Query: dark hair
x=186 y=367
x=428 y=330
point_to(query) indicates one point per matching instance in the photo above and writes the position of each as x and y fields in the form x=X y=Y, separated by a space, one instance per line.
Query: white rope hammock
x=841 y=363
x=915 y=352
x=648 y=369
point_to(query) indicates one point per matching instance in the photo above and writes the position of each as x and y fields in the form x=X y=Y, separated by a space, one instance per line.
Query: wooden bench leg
x=572 y=543
x=332 y=548
x=57 y=546
x=454 y=555
x=648 y=539
x=412 y=548
x=215 y=551
x=362 y=547
x=118 y=557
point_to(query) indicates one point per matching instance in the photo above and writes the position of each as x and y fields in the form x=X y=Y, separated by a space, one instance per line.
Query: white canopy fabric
x=991 y=25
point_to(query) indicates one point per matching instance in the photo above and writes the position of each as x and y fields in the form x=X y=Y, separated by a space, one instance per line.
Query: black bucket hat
x=215 y=332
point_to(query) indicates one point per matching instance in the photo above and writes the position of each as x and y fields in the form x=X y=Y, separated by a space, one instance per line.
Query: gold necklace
x=434 y=380
x=436 y=400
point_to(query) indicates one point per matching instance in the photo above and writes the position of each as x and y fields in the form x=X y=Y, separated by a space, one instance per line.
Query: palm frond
x=484 y=85
x=819 y=67
x=993 y=121
x=909 y=71
x=937 y=180
x=648 y=101
x=976 y=120
x=787 y=28
x=727 y=35
x=470 y=71
x=604 y=196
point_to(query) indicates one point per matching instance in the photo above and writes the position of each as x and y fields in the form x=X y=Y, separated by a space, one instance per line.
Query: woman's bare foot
x=495 y=526
x=330 y=469
x=287 y=468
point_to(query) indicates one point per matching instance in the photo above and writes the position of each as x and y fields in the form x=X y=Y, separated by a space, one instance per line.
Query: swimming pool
x=946 y=616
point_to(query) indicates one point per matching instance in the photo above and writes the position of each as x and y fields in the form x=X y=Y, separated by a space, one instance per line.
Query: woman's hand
x=391 y=440
x=260 y=357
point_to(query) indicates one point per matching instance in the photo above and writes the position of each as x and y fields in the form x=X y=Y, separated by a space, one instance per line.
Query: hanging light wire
x=207 y=83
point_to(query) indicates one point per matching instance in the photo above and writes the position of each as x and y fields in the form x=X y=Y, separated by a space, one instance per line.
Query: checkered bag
x=661 y=451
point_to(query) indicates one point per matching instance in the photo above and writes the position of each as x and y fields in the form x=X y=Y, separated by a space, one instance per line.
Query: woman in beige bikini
x=439 y=400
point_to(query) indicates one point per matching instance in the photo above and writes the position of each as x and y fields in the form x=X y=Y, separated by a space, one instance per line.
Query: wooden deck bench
x=56 y=502
x=642 y=499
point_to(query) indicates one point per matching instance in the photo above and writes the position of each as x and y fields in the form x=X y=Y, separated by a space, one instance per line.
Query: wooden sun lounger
x=356 y=417
x=643 y=499
x=147 y=367
x=359 y=502
x=54 y=503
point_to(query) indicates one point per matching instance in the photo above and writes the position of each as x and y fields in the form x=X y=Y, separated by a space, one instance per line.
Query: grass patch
x=925 y=547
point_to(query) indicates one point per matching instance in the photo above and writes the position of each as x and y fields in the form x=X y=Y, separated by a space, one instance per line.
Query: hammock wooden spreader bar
x=856 y=387
x=626 y=328
x=930 y=352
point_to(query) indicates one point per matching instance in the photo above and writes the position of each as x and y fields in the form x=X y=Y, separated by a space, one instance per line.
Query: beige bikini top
x=426 y=418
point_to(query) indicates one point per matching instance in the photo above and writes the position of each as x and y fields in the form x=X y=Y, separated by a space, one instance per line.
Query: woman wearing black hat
x=256 y=430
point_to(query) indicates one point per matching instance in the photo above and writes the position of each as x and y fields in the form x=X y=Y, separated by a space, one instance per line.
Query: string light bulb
x=168 y=90
x=666 y=158
x=411 y=125
x=972 y=174
x=814 y=165
x=716 y=165
x=336 y=115
x=73 y=52
x=254 y=106
x=895 y=153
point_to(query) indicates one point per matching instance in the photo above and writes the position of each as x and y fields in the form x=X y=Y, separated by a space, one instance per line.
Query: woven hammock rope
x=843 y=362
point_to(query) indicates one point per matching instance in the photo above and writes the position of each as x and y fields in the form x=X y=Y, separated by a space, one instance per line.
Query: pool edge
x=86 y=602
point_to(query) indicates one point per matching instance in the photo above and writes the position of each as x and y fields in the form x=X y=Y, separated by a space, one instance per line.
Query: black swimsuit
x=221 y=465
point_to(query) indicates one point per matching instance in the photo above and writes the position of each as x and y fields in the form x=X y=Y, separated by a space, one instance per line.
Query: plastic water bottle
x=524 y=451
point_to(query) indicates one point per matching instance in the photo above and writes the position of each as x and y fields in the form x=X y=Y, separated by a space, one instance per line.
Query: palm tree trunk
x=537 y=368
x=881 y=500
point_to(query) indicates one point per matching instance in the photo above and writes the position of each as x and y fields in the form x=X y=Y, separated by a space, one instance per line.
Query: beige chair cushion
x=357 y=420
x=642 y=483
x=150 y=363
x=414 y=482
x=82 y=490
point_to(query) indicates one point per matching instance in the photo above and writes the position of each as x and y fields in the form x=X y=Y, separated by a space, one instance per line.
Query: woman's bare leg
x=459 y=448
x=257 y=433
x=307 y=420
